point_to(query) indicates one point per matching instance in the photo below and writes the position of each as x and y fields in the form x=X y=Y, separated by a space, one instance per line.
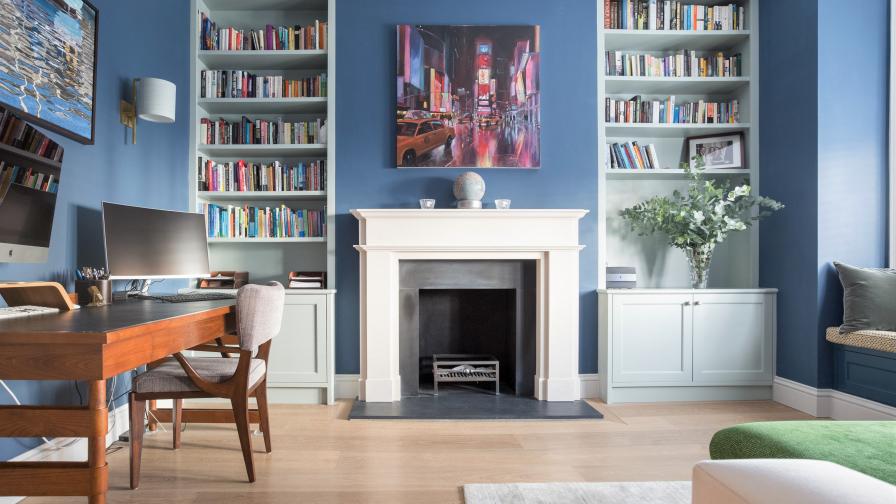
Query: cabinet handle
x=696 y=303
x=687 y=303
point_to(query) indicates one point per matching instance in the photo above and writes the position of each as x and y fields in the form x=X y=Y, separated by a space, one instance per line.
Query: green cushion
x=867 y=447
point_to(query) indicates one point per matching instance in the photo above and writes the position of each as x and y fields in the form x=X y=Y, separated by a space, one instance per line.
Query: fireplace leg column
x=558 y=372
x=380 y=380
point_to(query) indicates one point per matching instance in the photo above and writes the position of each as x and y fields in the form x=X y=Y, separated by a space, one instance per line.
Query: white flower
x=698 y=216
x=720 y=207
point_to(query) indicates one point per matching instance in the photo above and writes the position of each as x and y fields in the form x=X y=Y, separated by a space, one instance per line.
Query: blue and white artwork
x=47 y=63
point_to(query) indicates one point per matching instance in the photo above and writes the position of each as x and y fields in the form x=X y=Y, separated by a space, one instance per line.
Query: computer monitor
x=145 y=243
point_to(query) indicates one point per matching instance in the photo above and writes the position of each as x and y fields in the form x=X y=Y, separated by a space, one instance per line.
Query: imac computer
x=147 y=244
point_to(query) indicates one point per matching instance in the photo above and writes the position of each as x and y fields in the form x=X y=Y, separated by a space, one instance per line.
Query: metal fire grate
x=464 y=368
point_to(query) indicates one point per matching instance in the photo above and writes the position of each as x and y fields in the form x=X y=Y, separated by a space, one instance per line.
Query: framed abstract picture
x=468 y=96
x=48 y=52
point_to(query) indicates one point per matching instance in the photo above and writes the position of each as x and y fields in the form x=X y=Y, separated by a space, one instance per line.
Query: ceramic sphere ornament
x=469 y=188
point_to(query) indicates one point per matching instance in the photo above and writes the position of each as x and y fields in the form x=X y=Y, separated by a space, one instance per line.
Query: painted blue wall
x=135 y=40
x=823 y=134
x=365 y=172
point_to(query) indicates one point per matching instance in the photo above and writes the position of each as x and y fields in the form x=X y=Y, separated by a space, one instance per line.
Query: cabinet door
x=299 y=352
x=652 y=338
x=732 y=339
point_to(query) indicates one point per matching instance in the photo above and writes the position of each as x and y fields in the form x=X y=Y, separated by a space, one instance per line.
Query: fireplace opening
x=474 y=326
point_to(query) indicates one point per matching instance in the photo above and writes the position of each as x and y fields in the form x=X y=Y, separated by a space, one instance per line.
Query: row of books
x=260 y=131
x=631 y=156
x=681 y=64
x=28 y=177
x=242 y=84
x=17 y=132
x=307 y=280
x=242 y=176
x=638 y=110
x=270 y=38
x=671 y=15
x=255 y=222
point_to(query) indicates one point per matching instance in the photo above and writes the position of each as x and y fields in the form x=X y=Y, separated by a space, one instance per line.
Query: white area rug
x=635 y=492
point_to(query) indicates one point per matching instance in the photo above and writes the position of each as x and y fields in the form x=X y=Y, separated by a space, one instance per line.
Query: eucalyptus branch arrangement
x=700 y=219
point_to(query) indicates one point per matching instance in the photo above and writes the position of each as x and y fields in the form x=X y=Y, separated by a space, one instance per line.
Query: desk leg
x=96 y=444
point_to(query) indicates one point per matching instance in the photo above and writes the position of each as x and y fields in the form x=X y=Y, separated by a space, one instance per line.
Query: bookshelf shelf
x=27 y=158
x=264 y=60
x=735 y=263
x=664 y=40
x=263 y=105
x=316 y=5
x=261 y=195
x=674 y=85
x=267 y=240
x=651 y=130
x=263 y=150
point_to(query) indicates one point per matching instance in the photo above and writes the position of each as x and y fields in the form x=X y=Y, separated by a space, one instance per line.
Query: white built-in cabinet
x=683 y=344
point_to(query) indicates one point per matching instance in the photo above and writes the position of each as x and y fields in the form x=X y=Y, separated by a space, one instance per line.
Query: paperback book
x=242 y=176
x=631 y=156
x=636 y=110
x=672 y=15
x=259 y=131
x=270 y=38
x=28 y=177
x=16 y=132
x=242 y=84
x=255 y=222
x=680 y=64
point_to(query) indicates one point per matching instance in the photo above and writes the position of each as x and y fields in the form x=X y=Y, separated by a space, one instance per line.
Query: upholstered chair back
x=259 y=313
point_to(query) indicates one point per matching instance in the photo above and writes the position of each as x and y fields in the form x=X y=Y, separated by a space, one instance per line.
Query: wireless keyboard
x=188 y=298
x=25 y=311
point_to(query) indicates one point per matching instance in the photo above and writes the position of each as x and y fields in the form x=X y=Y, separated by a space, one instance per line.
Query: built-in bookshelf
x=262 y=94
x=691 y=52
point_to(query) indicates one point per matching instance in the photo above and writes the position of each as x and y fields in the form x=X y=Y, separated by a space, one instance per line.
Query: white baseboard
x=76 y=451
x=347 y=386
x=829 y=403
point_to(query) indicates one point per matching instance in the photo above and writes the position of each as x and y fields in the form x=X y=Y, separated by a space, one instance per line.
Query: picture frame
x=719 y=151
x=66 y=49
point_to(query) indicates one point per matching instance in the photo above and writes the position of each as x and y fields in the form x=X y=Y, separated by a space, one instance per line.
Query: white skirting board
x=829 y=403
x=347 y=386
x=77 y=451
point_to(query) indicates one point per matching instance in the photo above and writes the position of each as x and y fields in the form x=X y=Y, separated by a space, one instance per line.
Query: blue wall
x=135 y=40
x=365 y=172
x=823 y=137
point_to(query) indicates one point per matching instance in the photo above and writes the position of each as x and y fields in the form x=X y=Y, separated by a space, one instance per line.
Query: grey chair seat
x=170 y=376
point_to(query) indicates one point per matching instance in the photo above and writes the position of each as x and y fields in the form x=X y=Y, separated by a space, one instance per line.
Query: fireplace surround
x=548 y=239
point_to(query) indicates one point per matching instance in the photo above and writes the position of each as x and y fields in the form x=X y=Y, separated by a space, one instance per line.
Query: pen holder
x=82 y=288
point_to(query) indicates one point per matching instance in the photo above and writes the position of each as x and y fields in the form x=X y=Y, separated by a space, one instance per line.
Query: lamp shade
x=156 y=100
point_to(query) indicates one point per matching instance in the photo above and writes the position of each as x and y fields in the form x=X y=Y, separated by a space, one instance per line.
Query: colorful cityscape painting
x=468 y=96
x=47 y=63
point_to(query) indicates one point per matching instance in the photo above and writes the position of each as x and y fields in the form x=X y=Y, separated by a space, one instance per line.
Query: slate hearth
x=456 y=403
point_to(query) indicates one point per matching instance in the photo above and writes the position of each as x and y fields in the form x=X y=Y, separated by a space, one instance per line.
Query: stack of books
x=18 y=133
x=631 y=156
x=259 y=131
x=307 y=279
x=276 y=176
x=270 y=38
x=255 y=222
x=242 y=84
x=671 y=15
x=635 y=110
x=28 y=177
x=681 y=64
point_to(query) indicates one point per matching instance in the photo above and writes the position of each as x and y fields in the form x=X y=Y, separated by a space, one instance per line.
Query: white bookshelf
x=735 y=263
x=267 y=258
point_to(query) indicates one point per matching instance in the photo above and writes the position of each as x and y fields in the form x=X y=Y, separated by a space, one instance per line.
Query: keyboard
x=188 y=298
x=25 y=311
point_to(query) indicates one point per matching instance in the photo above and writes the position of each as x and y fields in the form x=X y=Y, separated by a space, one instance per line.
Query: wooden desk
x=90 y=344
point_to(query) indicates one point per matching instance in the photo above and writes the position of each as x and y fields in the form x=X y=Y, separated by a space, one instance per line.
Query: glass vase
x=699 y=260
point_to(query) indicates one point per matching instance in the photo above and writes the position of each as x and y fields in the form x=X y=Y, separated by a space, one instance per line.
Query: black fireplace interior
x=467 y=307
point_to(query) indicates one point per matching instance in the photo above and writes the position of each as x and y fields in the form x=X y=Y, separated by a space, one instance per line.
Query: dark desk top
x=99 y=324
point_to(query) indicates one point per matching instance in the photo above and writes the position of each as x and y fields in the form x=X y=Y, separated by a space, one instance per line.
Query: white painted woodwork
x=684 y=344
x=549 y=237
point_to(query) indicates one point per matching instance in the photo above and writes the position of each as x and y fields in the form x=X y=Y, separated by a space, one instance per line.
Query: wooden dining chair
x=259 y=313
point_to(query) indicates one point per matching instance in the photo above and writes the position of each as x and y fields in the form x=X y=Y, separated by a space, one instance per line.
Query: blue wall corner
x=135 y=40
x=365 y=160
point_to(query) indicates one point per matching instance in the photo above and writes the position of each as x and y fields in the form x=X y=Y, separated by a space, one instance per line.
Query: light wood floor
x=319 y=457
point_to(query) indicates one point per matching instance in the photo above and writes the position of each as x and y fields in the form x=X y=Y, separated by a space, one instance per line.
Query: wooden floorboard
x=320 y=457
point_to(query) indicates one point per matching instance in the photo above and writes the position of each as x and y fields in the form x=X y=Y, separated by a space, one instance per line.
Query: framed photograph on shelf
x=719 y=152
x=48 y=68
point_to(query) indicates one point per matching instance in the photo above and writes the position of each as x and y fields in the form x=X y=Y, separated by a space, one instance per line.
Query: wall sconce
x=152 y=100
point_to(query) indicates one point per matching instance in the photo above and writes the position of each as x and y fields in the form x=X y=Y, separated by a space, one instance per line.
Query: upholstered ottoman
x=867 y=447
x=785 y=481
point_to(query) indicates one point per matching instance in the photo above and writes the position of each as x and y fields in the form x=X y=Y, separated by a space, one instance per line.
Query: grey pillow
x=869 y=298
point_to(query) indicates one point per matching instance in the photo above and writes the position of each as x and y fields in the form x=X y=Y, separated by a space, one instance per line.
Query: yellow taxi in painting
x=419 y=136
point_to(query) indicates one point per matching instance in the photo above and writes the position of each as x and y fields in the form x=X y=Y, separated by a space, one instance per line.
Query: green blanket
x=867 y=447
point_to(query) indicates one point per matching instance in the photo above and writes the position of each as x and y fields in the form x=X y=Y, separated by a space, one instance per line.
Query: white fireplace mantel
x=550 y=237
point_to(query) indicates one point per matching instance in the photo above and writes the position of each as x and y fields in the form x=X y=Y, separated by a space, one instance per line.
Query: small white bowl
x=427 y=204
x=502 y=204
